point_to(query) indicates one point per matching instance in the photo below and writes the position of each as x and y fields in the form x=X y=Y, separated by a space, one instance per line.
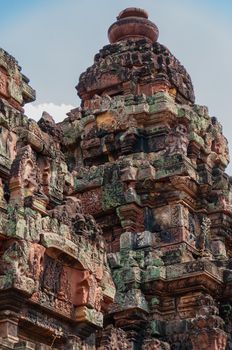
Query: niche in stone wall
x=3 y=82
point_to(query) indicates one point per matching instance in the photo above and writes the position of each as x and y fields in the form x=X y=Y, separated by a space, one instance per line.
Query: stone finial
x=132 y=23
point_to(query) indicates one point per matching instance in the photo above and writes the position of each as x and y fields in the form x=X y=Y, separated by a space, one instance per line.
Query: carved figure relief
x=177 y=140
x=7 y=143
x=3 y=82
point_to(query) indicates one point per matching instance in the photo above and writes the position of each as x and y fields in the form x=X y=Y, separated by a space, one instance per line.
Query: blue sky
x=222 y=7
x=55 y=40
x=13 y=9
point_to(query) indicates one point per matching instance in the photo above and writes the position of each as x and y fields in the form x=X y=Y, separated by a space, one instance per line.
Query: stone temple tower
x=115 y=224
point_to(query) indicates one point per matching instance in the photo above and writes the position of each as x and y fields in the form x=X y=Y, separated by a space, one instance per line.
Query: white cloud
x=58 y=112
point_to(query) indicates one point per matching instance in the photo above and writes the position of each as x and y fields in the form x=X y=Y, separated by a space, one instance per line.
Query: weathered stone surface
x=115 y=225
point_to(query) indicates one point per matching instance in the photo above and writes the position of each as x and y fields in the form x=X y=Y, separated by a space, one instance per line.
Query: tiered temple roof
x=115 y=225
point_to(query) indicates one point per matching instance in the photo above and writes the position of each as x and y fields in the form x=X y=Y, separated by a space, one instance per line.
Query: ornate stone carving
x=135 y=175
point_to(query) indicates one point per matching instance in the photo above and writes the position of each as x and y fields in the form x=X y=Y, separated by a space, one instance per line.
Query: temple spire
x=132 y=23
